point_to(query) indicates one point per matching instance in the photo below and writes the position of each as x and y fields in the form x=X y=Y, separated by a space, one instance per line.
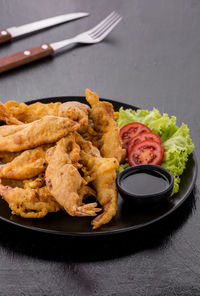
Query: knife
x=14 y=32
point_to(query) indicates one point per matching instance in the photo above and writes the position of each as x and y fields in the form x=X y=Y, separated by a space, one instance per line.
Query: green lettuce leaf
x=177 y=149
x=176 y=141
x=122 y=167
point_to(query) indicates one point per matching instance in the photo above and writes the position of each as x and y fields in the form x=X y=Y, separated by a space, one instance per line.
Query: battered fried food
x=34 y=183
x=18 y=113
x=55 y=155
x=102 y=114
x=28 y=113
x=102 y=173
x=105 y=186
x=12 y=183
x=7 y=116
x=29 y=203
x=6 y=156
x=27 y=165
x=65 y=182
x=75 y=111
x=7 y=130
x=49 y=129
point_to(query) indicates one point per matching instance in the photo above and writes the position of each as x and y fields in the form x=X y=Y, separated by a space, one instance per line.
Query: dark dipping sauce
x=145 y=183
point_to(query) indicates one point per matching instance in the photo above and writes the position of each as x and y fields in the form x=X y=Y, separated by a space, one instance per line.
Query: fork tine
x=94 y=35
x=102 y=22
x=106 y=26
x=100 y=28
x=109 y=29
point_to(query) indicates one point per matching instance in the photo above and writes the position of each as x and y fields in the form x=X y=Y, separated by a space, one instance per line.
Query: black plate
x=127 y=218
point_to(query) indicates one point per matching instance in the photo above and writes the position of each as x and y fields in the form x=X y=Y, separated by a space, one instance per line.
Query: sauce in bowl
x=145 y=183
x=148 y=184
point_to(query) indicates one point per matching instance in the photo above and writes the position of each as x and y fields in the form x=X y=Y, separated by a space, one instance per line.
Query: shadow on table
x=66 y=249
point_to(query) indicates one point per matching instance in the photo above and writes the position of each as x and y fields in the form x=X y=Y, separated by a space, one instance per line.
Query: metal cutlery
x=94 y=35
x=14 y=32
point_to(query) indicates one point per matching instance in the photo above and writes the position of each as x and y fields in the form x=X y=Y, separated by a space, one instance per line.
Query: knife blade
x=14 y=32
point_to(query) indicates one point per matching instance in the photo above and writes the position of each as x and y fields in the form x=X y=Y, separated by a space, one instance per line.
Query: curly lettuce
x=176 y=140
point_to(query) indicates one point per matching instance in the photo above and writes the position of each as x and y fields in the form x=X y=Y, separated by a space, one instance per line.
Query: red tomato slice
x=143 y=137
x=131 y=130
x=146 y=152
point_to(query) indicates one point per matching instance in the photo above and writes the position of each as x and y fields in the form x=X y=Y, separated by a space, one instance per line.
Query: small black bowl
x=157 y=174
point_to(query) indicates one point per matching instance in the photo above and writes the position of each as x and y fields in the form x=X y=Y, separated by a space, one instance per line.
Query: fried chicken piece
x=102 y=173
x=49 y=129
x=102 y=114
x=29 y=203
x=27 y=165
x=63 y=179
x=18 y=113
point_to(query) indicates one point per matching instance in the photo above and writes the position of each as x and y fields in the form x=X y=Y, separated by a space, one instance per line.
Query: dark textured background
x=152 y=59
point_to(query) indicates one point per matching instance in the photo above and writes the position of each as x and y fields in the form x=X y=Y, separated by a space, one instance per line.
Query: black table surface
x=151 y=59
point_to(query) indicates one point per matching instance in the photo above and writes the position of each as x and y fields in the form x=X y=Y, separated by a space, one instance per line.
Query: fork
x=94 y=35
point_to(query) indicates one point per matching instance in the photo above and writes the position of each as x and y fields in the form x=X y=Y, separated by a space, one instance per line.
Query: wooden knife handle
x=25 y=57
x=4 y=36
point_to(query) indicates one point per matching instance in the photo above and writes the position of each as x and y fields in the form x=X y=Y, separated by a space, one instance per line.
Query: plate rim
x=115 y=231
